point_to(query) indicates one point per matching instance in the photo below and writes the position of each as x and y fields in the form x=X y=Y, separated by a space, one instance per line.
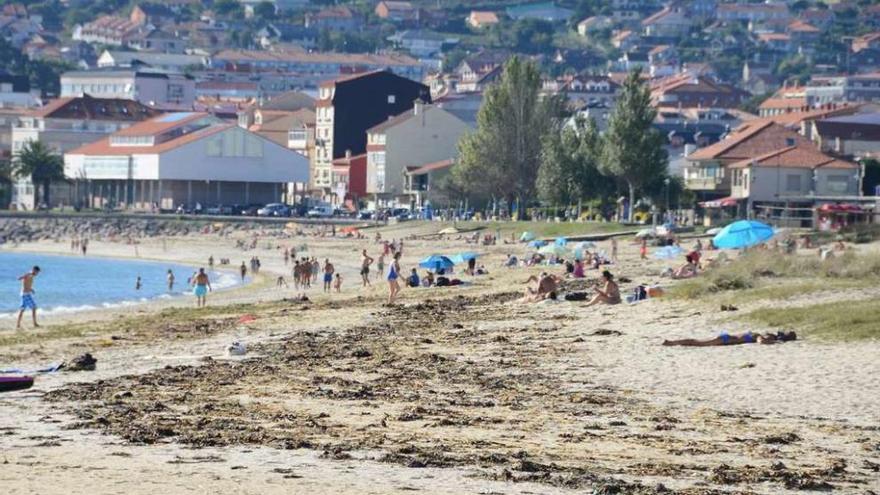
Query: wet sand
x=455 y=390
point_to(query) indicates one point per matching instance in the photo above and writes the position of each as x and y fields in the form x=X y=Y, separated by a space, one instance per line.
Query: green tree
x=570 y=165
x=502 y=157
x=6 y=177
x=265 y=11
x=228 y=8
x=37 y=161
x=632 y=148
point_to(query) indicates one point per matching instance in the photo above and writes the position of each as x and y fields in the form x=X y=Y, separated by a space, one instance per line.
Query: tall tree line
x=522 y=150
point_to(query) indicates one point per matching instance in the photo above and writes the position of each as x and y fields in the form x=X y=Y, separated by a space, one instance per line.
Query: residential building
x=336 y=18
x=15 y=91
x=67 y=123
x=479 y=19
x=313 y=66
x=228 y=91
x=591 y=90
x=687 y=90
x=480 y=68
x=347 y=107
x=793 y=173
x=625 y=40
x=706 y=172
x=163 y=61
x=182 y=158
x=851 y=135
x=593 y=24
x=803 y=34
x=843 y=88
x=425 y=134
x=670 y=22
x=421 y=43
x=420 y=183
x=156 y=40
x=108 y=30
x=544 y=11
x=780 y=42
x=151 y=87
x=752 y=12
x=786 y=99
x=396 y=11
x=152 y=13
x=351 y=174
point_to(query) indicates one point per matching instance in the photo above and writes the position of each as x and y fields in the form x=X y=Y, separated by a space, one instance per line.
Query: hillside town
x=763 y=108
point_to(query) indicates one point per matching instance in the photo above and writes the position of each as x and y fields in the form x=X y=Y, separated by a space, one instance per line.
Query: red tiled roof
x=802 y=27
x=430 y=167
x=795 y=118
x=783 y=103
x=753 y=138
x=801 y=156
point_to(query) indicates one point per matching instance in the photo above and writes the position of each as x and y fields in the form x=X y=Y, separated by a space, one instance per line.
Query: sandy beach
x=452 y=390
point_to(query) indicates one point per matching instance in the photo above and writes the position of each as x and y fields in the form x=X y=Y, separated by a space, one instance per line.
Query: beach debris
x=236 y=349
x=83 y=362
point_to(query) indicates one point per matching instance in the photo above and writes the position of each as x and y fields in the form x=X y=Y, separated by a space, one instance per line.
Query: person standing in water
x=27 y=296
x=170 y=279
x=137 y=283
x=211 y=262
x=201 y=287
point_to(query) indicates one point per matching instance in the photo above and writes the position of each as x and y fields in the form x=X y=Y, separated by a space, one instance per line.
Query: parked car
x=274 y=210
x=219 y=210
x=320 y=212
x=250 y=210
x=365 y=215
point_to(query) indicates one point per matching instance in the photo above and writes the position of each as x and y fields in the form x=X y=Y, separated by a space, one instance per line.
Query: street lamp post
x=666 y=182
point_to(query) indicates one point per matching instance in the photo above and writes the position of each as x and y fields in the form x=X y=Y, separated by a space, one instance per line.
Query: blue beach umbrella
x=743 y=234
x=527 y=236
x=554 y=249
x=561 y=241
x=436 y=262
x=668 y=252
x=537 y=244
x=464 y=257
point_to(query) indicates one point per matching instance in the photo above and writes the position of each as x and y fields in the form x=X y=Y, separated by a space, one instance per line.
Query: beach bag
x=576 y=296
x=640 y=293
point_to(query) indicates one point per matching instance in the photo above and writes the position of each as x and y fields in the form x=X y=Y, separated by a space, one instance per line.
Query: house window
x=793 y=183
x=392 y=99
x=837 y=183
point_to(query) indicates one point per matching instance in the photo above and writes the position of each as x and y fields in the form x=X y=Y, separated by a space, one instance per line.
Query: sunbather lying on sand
x=543 y=286
x=727 y=339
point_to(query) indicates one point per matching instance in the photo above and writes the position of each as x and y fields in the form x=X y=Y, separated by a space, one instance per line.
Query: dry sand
x=455 y=390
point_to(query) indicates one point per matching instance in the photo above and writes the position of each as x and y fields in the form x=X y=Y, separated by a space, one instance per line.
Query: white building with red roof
x=183 y=158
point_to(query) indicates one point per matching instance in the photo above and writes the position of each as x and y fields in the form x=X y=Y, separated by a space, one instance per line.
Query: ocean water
x=76 y=283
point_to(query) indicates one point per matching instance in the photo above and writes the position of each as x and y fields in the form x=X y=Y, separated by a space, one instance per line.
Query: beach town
x=489 y=246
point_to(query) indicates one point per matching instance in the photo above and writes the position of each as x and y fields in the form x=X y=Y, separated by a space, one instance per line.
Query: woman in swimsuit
x=727 y=339
x=610 y=294
x=393 y=276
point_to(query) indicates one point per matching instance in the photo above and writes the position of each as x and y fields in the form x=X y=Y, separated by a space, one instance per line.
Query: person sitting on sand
x=727 y=339
x=428 y=280
x=442 y=279
x=413 y=280
x=610 y=294
x=578 y=271
x=511 y=261
x=688 y=270
x=544 y=285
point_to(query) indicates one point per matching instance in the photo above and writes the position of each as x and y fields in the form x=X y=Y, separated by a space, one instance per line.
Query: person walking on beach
x=393 y=278
x=27 y=296
x=328 y=274
x=643 y=249
x=170 y=279
x=614 y=250
x=366 y=261
x=84 y=245
x=316 y=269
x=201 y=287
x=380 y=266
x=338 y=283
x=243 y=270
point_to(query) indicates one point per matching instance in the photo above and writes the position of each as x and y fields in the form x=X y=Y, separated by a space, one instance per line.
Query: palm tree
x=37 y=161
